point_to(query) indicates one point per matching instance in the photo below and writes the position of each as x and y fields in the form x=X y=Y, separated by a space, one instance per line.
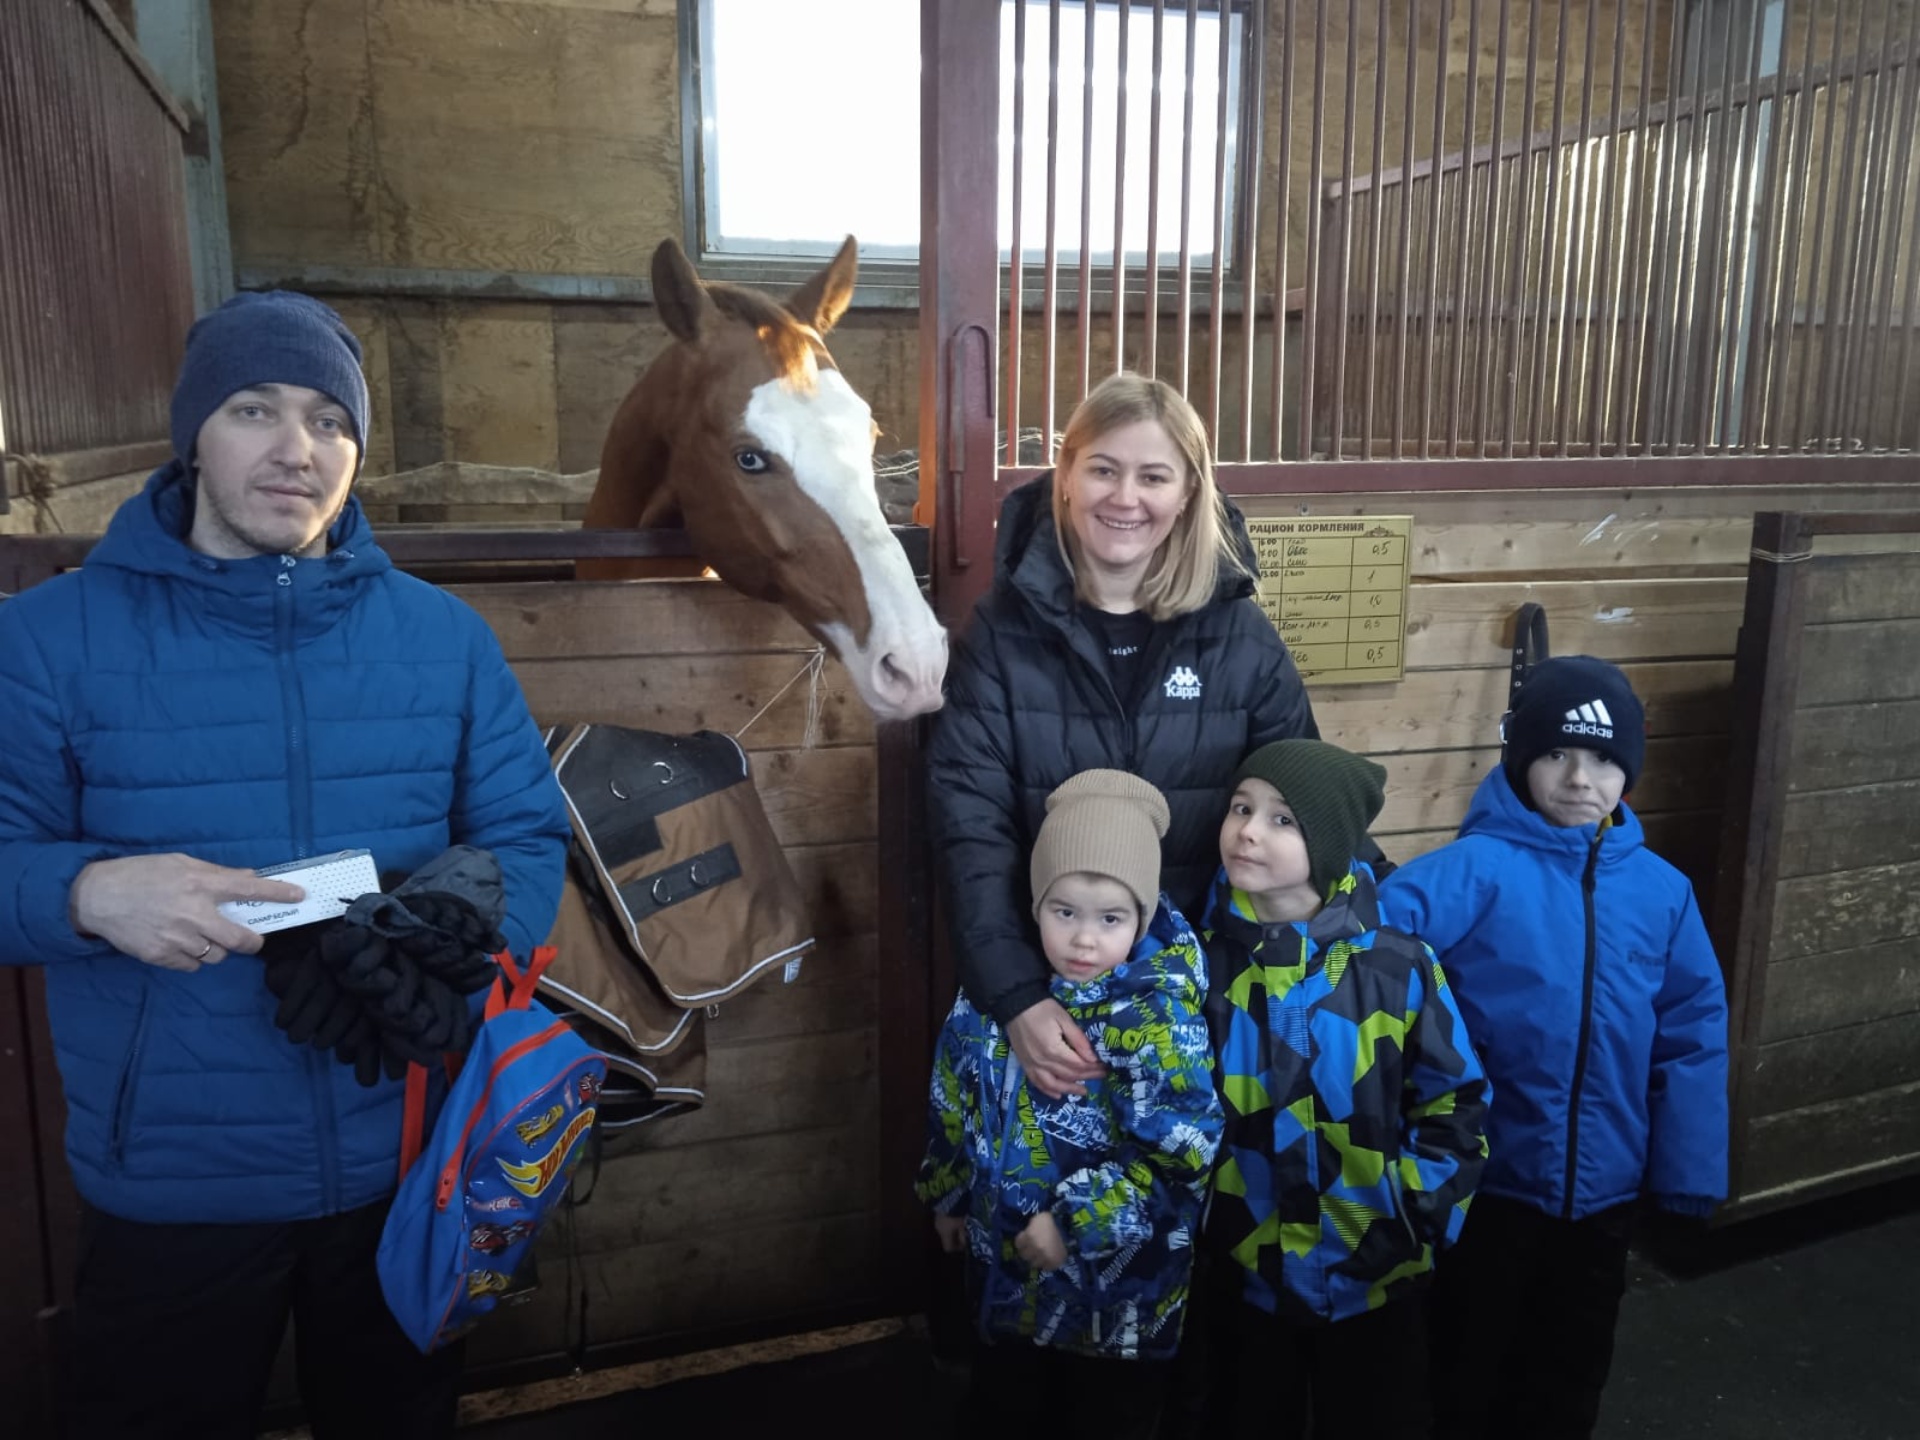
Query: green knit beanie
x=1333 y=793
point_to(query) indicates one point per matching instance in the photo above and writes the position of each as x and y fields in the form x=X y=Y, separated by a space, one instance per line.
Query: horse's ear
x=683 y=302
x=824 y=299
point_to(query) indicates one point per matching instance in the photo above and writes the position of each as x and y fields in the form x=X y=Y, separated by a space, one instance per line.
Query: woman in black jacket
x=1121 y=632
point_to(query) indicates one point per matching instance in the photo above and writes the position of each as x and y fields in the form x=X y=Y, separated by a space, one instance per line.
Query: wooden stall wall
x=760 y=1211
x=1654 y=580
x=1820 y=918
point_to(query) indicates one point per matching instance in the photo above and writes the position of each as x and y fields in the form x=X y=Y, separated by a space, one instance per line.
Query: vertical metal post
x=1492 y=328
x=1316 y=226
x=1550 y=241
x=1757 y=381
x=1283 y=247
x=1522 y=226
x=959 y=303
x=1897 y=216
x=1876 y=183
x=1716 y=219
x=1050 y=260
x=1443 y=42
x=1247 y=221
x=1738 y=330
x=1374 y=203
x=1784 y=435
x=1861 y=212
x=1343 y=318
x=1120 y=197
x=1819 y=238
x=1403 y=304
x=1619 y=157
x=1185 y=336
x=1581 y=256
x=1084 y=333
x=1217 y=279
x=1463 y=242
x=1151 y=366
x=1016 y=279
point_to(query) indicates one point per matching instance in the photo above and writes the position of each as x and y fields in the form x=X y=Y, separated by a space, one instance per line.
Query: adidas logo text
x=1591 y=718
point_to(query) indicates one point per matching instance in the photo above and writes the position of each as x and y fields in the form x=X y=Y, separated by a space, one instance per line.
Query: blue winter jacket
x=1123 y=1170
x=246 y=713
x=1579 y=961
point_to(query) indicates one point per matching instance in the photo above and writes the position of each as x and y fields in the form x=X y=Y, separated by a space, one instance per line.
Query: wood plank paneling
x=1461 y=708
x=1855 y=745
x=563 y=620
x=842 y=887
x=1860 y=661
x=1620 y=620
x=700 y=692
x=1835 y=1064
x=818 y=796
x=1841 y=988
x=1862 y=587
x=1833 y=830
x=1872 y=1131
x=836 y=991
x=695 y=1284
x=770 y=1088
x=502 y=350
x=1816 y=914
x=1430 y=790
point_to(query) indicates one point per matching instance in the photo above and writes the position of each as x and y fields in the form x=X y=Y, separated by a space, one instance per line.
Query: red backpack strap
x=413 y=1122
x=517 y=983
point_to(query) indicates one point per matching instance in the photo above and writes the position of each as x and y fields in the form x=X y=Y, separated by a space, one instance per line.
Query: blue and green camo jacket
x=1123 y=1169
x=1355 y=1105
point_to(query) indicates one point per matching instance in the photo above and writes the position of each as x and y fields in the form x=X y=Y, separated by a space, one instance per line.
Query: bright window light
x=776 y=181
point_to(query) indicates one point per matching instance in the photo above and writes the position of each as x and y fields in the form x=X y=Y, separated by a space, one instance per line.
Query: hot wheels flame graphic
x=531 y=1130
x=534 y=1176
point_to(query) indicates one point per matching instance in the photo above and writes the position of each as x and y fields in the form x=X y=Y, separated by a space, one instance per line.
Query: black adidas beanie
x=1574 y=702
x=1333 y=793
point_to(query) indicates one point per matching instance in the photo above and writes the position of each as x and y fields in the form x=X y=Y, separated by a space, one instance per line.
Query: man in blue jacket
x=238 y=677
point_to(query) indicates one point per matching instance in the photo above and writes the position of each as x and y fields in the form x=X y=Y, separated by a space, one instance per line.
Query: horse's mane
x=791 y=344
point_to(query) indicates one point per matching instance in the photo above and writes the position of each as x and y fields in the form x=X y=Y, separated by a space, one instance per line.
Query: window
x=770 y=178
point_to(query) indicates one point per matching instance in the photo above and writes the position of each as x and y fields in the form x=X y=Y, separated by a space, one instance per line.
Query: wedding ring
x=203 y=951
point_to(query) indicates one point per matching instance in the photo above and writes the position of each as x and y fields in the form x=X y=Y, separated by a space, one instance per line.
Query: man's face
x=275 y=463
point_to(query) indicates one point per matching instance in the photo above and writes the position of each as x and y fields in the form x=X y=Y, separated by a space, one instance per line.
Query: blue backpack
x=514 y=1124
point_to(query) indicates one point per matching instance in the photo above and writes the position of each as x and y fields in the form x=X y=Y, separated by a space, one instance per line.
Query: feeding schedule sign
x=1337 y=590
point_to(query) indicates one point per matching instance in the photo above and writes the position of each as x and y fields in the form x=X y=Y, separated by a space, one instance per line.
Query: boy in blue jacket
x=1587 y=979
x=1354 y=1106
x=1078 y=1214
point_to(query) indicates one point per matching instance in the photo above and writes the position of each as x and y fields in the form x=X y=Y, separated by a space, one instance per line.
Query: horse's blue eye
x=754 y=462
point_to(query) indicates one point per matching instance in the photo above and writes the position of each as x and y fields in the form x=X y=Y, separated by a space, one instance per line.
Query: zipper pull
x=449 y=1177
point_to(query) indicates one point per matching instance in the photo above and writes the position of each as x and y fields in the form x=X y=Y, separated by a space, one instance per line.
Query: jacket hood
x=1167 y=958
x=148 y=536
x=1027 y=557
x=1497 y=811
x=1351 y=910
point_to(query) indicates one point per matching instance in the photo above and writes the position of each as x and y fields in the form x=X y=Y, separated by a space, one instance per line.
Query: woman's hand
x=1040 y=1244
x=1053 y=1050
x=951 y=1231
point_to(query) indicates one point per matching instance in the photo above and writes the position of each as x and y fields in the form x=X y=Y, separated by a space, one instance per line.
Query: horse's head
x=745 y=432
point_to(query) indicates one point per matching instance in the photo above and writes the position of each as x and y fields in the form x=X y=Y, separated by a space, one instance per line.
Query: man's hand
x=1053 y=1050
x=1040 y=1244
x=162 y=909
x=951 y=1232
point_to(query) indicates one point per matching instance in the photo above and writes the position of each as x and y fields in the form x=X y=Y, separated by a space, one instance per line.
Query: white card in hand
x=332 y=883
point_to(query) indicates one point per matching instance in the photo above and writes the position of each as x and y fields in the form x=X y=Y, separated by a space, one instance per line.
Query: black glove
x=458 y=945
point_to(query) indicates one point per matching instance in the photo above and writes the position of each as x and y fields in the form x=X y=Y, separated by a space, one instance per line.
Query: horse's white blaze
x=824 y=432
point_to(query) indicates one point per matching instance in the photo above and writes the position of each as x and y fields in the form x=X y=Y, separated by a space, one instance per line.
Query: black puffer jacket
x=1029 y=704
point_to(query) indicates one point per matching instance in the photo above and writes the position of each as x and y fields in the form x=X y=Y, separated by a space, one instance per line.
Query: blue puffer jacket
x=246 y=713
x=1588 y=984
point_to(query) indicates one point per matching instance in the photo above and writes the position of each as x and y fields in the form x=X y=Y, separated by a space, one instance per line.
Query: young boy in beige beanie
x=1078 y=1215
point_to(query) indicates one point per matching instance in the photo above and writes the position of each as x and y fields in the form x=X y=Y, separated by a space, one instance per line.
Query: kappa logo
x=1589 y=719
x=536 y=1175
x=1183 y=684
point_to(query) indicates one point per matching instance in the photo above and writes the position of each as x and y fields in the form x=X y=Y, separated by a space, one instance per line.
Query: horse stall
x=1571 y=288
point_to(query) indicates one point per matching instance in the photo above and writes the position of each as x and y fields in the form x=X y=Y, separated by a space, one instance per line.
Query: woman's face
x=1124 y=490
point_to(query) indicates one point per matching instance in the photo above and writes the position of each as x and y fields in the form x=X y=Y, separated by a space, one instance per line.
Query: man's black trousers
x=1521 y=1320
x=176 y=1328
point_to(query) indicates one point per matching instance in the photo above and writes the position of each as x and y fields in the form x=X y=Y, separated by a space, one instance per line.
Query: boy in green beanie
x=1354 y=1107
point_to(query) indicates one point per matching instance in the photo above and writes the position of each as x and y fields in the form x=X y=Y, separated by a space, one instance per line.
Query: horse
x=744 y=432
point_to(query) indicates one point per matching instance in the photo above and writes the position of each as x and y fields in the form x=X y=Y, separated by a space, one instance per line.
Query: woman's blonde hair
x=1186 y=570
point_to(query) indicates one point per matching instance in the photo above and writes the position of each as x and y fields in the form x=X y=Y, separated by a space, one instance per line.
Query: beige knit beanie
x=1103 y=822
